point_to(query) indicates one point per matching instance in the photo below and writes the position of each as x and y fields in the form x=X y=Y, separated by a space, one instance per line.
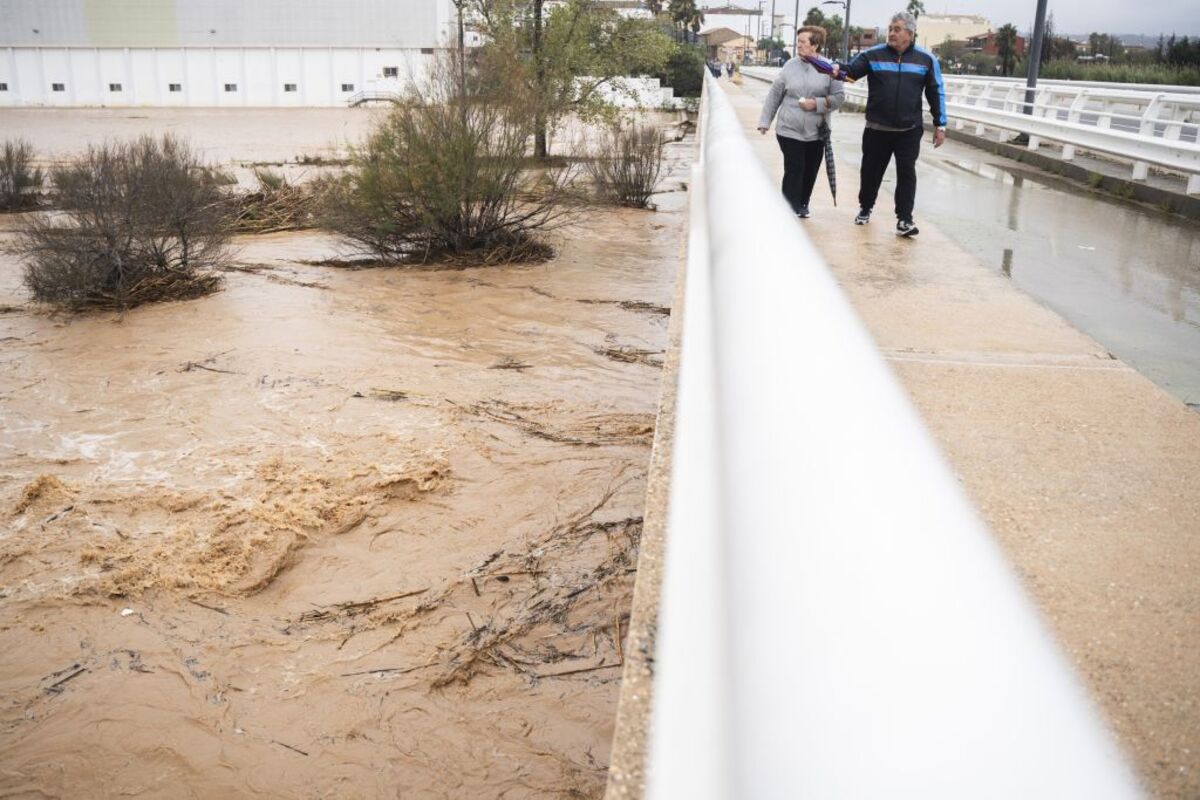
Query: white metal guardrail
x=1134 y=87
x=1143 y=127
x=836 y=621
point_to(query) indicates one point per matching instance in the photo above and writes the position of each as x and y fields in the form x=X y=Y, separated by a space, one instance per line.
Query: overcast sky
x=1070 y=16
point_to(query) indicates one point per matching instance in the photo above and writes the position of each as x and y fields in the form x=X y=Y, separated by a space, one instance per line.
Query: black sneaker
x=906 y=228
x=864 y=216
x=802 y=212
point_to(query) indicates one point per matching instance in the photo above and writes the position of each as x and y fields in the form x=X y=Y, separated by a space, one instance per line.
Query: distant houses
x=986 y=43
x=726 y=44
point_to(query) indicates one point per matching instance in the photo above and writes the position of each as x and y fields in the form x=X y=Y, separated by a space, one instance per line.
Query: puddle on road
x=331 y=532
x=1126 y=276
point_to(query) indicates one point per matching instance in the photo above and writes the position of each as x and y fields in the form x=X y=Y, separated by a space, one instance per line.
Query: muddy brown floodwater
x=331 y=533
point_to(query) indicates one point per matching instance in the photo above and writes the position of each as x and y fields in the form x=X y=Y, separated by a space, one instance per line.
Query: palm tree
x=916 y=8
x=686 y=15
x=1006 y=46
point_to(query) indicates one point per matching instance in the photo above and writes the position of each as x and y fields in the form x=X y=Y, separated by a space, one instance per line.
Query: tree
x=949 y=51
x=138 y=222
x=832 y=26
x=1006 y=47
x=1183 y=52
x=20 y=181
x=561 y=58
x=686 y=16
x=916 y=8
x=1055 y=47
x=833 y=35
x=446 y=176
x=1047 y=38
x=1102 y=44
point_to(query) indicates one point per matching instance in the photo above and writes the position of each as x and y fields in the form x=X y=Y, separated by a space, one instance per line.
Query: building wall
x=932 y=29
x=258 y=75
x=226 y=23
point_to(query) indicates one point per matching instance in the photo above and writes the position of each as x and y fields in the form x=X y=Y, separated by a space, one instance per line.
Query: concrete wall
x=226 y=23
x=143 y=76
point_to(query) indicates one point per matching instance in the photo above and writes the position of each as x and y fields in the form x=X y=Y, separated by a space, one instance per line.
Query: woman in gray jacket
x=804 y=98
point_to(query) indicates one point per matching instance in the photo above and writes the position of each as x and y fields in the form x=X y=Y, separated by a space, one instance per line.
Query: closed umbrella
x=830 y=169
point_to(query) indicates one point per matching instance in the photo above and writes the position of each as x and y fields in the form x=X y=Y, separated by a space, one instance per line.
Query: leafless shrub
x=20 y=181
x=140 y=222
x=445 y=177
x=278 y=205
x=219 y=177
x=629 y=166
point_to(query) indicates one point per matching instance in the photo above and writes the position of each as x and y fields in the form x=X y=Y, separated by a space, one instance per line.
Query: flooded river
x=329 y=532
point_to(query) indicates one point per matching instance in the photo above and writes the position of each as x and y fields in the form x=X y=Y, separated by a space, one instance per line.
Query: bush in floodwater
x=140 y=221
x=20 y=181
x=630 y=166
x=444 y=176
x=278 y=205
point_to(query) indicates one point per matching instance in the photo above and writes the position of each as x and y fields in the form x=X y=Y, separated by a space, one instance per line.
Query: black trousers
x=878 y=148
x=801 y=163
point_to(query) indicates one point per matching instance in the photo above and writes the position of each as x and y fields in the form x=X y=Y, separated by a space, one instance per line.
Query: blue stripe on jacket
x=941 y=87
x=892 y=66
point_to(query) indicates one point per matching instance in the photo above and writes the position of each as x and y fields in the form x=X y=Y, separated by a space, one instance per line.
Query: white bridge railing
x=1145 y=127
x=836 y=621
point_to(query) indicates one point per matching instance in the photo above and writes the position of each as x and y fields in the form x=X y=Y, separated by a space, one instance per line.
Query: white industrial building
x=215 y=52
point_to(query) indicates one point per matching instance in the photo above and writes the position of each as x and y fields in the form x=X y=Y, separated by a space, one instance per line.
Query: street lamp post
x=1035 y=57
x=795 y=26
x=846 y=34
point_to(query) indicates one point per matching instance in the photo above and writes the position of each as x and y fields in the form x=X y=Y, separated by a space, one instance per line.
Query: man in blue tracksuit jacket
x=897 y=74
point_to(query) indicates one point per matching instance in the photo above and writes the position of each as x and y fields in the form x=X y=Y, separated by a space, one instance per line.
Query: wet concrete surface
x=1084 y=470
x=329 y=532
x=1126 y=275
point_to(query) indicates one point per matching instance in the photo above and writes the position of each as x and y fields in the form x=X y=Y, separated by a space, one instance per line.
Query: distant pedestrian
x=729 y=70
x=897 y=73
x=804 y=99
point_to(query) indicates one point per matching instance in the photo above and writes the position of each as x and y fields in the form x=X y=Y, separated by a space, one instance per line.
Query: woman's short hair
x=910 y=22
x=816 y=35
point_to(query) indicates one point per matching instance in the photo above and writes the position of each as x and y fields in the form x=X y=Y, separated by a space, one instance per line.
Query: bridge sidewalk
x=1086 y=471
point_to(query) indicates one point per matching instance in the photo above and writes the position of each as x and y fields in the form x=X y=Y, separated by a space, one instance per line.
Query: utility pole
x=1035 y=57
x=846 y=34
x=772 y=20
x=795 y=26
